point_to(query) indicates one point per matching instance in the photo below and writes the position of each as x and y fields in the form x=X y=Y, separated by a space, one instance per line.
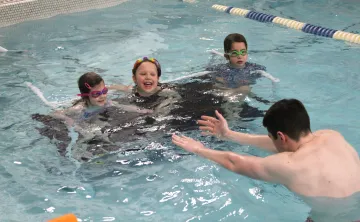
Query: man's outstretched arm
x=269 y=169
x=218 y=127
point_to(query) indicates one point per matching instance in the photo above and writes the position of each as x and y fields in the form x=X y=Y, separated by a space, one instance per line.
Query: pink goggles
x=95 y=94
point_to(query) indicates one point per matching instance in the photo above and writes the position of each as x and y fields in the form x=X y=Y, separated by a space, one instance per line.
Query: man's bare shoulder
x=327 y=132
x=286 y=158
x=281 y=158
x=279 y=167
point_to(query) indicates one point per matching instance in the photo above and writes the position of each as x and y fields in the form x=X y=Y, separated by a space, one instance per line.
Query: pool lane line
x=305 y=27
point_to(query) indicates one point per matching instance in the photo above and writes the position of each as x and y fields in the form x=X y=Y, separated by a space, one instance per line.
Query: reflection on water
x=335 y=209
x=129 y=185
x=111 y=128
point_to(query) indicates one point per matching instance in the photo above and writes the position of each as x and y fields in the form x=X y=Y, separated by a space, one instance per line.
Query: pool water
x=156 y=184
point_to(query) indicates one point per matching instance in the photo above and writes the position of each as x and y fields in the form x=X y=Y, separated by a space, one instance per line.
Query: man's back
x=325 y=166
x=318 y=166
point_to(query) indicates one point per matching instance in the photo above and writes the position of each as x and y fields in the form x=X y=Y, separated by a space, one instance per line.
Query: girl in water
x=93 y=100
x=148 y=92
x=87 y=116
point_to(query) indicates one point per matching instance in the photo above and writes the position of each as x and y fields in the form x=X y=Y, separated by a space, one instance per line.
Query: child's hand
x=145 y=111
x=267 y=75
x=128 y=88
x=121 y=87
x=276 y=80
x=69 y=122
x=217 y=53
x=219 y=79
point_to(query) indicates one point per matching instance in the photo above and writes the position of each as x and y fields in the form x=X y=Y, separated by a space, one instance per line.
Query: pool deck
x=17 y=11
x=11 y=2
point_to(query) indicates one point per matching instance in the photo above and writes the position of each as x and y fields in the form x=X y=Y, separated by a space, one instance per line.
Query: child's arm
x=38 y=92
x=62 y=114
x=261 y=70
x=266 y=75
x=197 y=74
x=3 y=49
x=210 y=66
x=217 y=53
x=131 y=108
x=59 y=114
x=121 y=87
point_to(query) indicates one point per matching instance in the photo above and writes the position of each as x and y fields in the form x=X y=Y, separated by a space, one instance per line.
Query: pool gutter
x=17 y=11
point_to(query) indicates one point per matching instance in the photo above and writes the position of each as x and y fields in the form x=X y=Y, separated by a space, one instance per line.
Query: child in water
x=87 y=117
x=93 y=100
x=238 y=74
x=146 y=73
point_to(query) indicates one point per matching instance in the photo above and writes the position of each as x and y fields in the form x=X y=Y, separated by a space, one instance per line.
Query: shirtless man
x=311 y=164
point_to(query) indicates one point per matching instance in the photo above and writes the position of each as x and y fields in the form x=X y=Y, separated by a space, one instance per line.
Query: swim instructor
x=310 y=164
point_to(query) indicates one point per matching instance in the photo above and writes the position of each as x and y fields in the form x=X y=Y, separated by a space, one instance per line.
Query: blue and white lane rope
x=308 y=28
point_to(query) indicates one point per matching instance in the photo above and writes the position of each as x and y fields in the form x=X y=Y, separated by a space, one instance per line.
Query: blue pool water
x=156 y=184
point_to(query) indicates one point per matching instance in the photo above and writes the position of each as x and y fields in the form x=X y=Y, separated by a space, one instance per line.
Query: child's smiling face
x=146 y=78
x=100 y=100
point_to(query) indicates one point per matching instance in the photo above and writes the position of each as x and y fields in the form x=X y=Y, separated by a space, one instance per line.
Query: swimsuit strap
x=88 y=113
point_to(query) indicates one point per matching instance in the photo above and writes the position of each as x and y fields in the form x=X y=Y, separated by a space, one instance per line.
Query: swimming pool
x=155 y=184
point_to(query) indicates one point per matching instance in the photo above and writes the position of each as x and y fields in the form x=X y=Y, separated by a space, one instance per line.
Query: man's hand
x=215 y=127
x=187 y=143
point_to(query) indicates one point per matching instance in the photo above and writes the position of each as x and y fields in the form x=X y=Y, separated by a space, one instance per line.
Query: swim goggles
x=236 y=53
x=95 y=94
x=145 y=59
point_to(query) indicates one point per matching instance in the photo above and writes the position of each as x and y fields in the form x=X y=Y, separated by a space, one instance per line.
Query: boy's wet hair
x=288 y=116
x=88 y=80
x=231 y=38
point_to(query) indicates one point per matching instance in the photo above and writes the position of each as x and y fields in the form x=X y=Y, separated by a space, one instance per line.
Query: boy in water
x=238 y=74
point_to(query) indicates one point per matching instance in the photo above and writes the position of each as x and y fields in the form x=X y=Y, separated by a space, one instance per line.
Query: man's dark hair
x=231 y=38
x=288 y=116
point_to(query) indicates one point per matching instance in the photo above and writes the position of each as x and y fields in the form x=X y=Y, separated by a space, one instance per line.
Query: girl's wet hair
x=87 y=81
